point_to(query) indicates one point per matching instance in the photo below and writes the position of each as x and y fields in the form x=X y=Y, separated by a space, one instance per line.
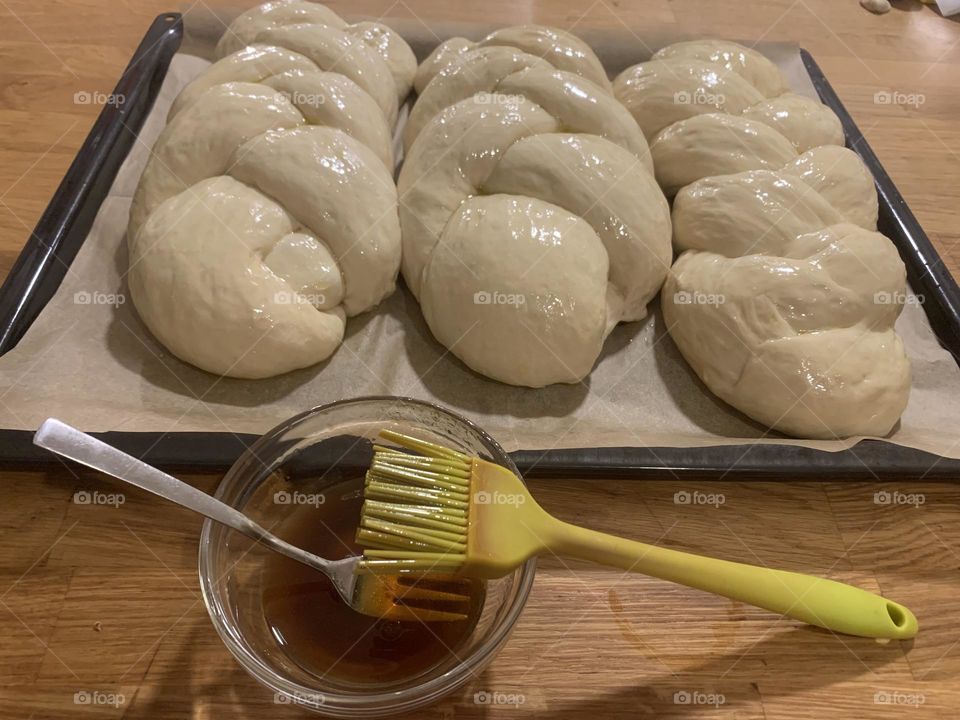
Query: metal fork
x=425 y=599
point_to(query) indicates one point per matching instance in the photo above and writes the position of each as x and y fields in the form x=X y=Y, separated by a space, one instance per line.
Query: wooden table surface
x=104 y=599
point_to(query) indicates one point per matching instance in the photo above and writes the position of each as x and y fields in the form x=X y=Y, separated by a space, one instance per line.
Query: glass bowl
x=300 y=459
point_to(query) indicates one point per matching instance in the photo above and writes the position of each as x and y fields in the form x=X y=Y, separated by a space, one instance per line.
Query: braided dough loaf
x=745 y=62
x=558 y=48
x=532 y=223
x=714 y=76
x=267 y=212
x=253 y=26
x=784 y=298
x=799 y=337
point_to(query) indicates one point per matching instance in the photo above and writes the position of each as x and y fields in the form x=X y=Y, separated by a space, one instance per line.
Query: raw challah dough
x=784 y=298
x=715 y=144
x=250 y=28
x=710 y=76
x=661 y=92
x=754 y=212
x=532 y=223
x=746 y=62
x=579 y=104
x=807 y=123
x=556 y=47
x=800 y=339
x=267 y=213
x=508 y=242
x=840 y=176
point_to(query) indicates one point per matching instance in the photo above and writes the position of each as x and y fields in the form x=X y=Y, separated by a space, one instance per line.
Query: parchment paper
x=89 y=360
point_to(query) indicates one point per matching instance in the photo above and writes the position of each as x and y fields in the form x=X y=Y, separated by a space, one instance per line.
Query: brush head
x=436 y=510
x=415 y=516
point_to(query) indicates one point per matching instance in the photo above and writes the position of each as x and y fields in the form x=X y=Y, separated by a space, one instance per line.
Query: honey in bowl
x=318 y=631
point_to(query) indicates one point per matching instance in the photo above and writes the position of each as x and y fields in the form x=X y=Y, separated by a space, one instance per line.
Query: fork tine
x=429 y=587
x=390 y=597
x=435 y=580
x=399 y=612
x=418 y=593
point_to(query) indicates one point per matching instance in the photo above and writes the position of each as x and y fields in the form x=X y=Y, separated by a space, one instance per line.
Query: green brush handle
x=825 y=603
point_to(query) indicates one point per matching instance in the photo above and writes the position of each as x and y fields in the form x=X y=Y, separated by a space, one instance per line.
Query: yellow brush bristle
x=416 y=507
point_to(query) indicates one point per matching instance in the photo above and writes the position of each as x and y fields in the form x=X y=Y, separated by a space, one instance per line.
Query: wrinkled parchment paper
x=89 y=360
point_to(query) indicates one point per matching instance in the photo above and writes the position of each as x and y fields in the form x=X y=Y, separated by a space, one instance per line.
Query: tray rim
x=64 y=224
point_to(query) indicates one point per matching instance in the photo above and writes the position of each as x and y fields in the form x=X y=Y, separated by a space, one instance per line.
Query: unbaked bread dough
x=559 y=48
x=839 y=175
x=703 y=77
x=803 y=344
x=716 y=144
x=499 y=292
x=250 y=273
x=331 y=49
x=515 y=147
x=805 y=122
x=267 y=212
x=753 y=212
x=783 y=299
x=661 y=92
x=746 y=62
x=247 y=29
x=196 y=247
x=532 y=223
x=578 y=104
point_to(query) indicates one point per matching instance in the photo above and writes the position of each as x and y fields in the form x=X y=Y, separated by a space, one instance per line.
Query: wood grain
x=106 y=598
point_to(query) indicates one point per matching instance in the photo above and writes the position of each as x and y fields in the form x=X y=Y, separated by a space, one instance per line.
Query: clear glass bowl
x=307 y=454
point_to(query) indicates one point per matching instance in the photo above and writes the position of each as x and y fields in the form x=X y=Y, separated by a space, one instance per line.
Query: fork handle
x=62 y=439
x=825 y=603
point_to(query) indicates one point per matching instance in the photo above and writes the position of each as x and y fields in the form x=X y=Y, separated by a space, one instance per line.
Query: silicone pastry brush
x=431 y=599
x=439 y=510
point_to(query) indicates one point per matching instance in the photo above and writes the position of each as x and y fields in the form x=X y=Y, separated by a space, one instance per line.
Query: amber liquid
x=318 y=632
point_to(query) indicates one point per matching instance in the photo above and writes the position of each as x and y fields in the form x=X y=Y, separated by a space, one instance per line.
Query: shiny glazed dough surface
x=500 y=130
x=783 y=298
x=267 y=213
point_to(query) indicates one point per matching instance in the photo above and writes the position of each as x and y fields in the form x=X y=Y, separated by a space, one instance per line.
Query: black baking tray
x=64 y=225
